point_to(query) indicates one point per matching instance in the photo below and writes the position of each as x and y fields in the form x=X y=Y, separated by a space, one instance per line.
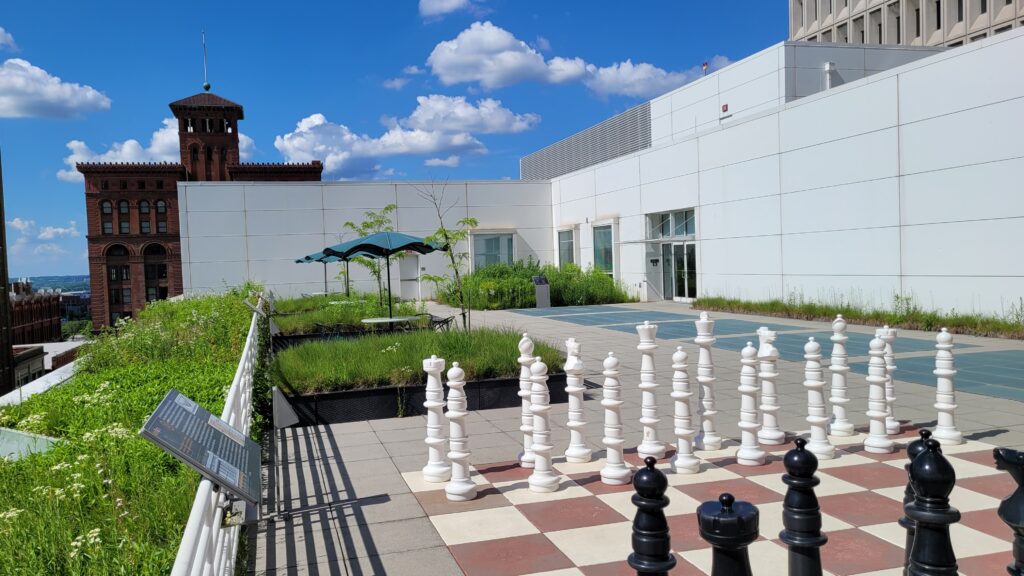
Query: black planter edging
x=394 y=401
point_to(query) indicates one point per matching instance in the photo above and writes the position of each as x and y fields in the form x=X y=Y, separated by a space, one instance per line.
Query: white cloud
x=48 y=249
x=7 y=41
x=413 y=70
x=542 y=44
x=349 y=155
x=493 y=57
x=449 y=162
x=436 y=8
x=22 y=225
x=54 y=232
x=395 y=83
x=455 y=114
x=164 y=146
x=29 y=91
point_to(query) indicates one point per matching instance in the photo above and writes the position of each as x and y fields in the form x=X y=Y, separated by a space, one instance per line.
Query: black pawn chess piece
x=801 y=514
x=1011 y=510
x=729 y=526
x=915 y=448
x=933 y=478
x=652 y=547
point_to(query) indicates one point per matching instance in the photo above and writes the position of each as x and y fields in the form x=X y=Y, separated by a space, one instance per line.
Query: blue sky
x=382 y=89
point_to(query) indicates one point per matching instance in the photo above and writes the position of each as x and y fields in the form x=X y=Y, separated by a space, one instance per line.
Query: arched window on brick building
x=119 y=286
x=155 y=257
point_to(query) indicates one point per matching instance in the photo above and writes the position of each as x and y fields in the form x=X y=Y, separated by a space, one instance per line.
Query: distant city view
x=73 y=283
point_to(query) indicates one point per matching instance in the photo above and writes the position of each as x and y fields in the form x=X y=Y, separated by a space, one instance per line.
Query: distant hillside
x=65 y=283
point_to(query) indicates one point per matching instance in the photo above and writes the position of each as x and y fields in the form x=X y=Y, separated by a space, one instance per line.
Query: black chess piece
x=933 y=478
x=729 y=526
x=1011 y=510
x=915 y=448
x=652 y=547
x=801 y=514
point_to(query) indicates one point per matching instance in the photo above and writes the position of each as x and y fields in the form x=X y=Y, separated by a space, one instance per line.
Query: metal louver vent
x=616 y=136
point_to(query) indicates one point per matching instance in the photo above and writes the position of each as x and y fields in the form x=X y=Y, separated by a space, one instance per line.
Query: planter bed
x=397 y=401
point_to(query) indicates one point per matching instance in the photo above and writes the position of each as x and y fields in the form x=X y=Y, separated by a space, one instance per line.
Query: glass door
x=684 y=265
x=667 y=291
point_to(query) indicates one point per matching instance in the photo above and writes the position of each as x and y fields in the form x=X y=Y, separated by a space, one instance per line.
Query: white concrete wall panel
x=503 y=193
x=968 y=249
x=363 y=196
x=617 y=175
x=578 y=185
x=976 y=192
x=965 y=294
x=863 y=252
x=671 y=194
x=742 y=286
x=661 y=128
x=864 y=109
x=207 y=276
x=738 y=256
x=757 y=66
x=754 y=217
x=752 y=95
x=669 y=162
x=742 y=141
x=972 y=136
x=284 y=197
x=287 y=247
x=616 y=204
x=864 y=205
x=750 y=179
x=282 y=222
x=860 y=291
x=210 y=197
x=216 y=223
x=859 y=158
x=661 y=106
x=576 y=211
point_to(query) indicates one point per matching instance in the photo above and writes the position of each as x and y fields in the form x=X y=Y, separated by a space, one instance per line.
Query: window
x=159 y=184
x=144 y=227
x=106 y=207
x=123 y=227
x=144 y=207
x=156 y=271
x=661 y=225
x=161 y=227
x=984 y=6
x=108 y=227
x=151 y=294
x=105 y=185
x=161 y=207
x=124 y=184
x=938 y=14
x=959 y=10
x=142 y=184
x=1003 y=29
x=684 y=223
x=565 y=247
x=126 y=296
x=917 y=22
x=115 y=296
x=492 y=249
x=112 y=270
x=122 y=206
x=603 y=254
x=119 y=272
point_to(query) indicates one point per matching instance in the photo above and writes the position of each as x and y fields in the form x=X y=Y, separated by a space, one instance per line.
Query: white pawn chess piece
x=892 y=425
x=841 y=425
x=650 y=445
x=460 y=488
x=526 y=359
x=684 y=461
x=945 y=393
x=817 y=412
x=437 y=468
x=542 y=479
x=768 y=356
x=709 y=439
x=578 y=451
x=749 y=453
x=615 y=471
x=878 y=440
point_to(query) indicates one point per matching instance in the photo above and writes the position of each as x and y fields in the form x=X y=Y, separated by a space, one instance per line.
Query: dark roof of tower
x=207 y=100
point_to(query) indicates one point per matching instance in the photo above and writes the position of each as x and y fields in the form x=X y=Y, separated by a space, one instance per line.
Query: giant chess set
x=850 y=499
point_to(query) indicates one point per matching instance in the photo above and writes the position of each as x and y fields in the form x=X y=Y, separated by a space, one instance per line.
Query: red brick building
x=35 y=316
x=132 y=209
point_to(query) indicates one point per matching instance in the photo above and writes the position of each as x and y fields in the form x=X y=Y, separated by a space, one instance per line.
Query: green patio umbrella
x=325 y=259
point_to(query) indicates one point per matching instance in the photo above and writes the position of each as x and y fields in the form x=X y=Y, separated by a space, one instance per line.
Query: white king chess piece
x=542 y=479
x=460 y=488
x=437 y=468
x=840 y=367
x=615 y=471
x=817 y=412
x=749 y=453
x=650 y=445
x=526 y=360
x=684 y=461
x=768 y=356
x=892 y=425
x=578 y=451
x=709 y=438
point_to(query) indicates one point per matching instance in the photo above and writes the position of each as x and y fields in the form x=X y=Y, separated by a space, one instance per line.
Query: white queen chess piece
x=709 y=439
x=749 y=453
x=650 y=445
x=437 y=468
x=817 y=412
x=578 y=451
x=768 y=356
x=542 y=479
x=460 y=488
x=526 y=359
x=945 y=393
x=615 y=471
x=684 y=461
x=840 y=367
x=892 y=425
x=878 y=441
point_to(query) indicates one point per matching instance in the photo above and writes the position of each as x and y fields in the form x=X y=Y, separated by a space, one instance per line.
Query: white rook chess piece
x=437 y=468
x=525 y=361
x=817 y=412
x=578 y=451
x=460 y=488
x=841 y=426
x=892 y=425
x=768 y=356
x=749 y=453
x=542 y=479
x=684 y=461
x=878 y=440
x=615 y=471
x=709 y=438
x=945 y=395
x=650 y=445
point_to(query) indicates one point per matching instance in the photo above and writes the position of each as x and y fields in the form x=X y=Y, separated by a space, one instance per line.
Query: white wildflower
x=10 y=514
x=59 y=467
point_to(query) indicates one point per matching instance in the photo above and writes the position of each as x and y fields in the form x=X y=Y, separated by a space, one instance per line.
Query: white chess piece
x=460 y=488
x=542 y=479
x=526 y=359
x=437 y=468
x=749 y=453
x=768 y=356
x=650 y=445
x=945 y=393
x=878 y=440
x=709 y=438
x=892 y=425
x=578 y=451
x=684 y=461
x=817 y=412
x=841 y=426
x=615 y=471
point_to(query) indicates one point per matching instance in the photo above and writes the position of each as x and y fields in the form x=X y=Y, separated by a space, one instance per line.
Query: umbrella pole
x=346 y=279
x=325 y=278
x=388 y=258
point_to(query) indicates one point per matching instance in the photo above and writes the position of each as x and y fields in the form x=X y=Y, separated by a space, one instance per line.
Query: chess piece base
x=652 y=449
x=616 y=476
x=771 y=437
x=948 y=437
x=751 y=457
x=437 y=473
x=525 y=460
x=879 y=445
x=461 y=491
x=543 y=482
x=686 y=464
x=577 y=455
x=841 y=429
x=823 y=450
x=892 y=427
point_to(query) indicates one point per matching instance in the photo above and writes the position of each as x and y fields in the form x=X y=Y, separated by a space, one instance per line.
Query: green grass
x=105 y=500
x=504 y=286
x=397 y=359
x=301 y=315
x=905 y=313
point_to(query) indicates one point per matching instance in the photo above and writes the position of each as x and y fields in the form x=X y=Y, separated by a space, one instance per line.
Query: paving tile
x=507 y=471
x=592 y=482
x=620 y=568
x=519 y=492
x=986 y=521
x=967 y=541
x=438 y=558
x=985 y=565
x=435 y=502
x=377 y=509
x=741 y=488
x=595 y=544
x=481 y=525
x=772 y=466
x=854 y=551
x=772 y=559
x=679 y=502
x=869 y=476
x=861 y=508
x=366 y=540
x=571 y=513
x=961 y=498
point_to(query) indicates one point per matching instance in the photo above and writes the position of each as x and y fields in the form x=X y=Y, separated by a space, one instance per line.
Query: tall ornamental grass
x=104 y=500
x=308 y=314
x=397 y=359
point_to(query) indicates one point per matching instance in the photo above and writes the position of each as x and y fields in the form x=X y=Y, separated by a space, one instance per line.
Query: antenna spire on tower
x=206 y=82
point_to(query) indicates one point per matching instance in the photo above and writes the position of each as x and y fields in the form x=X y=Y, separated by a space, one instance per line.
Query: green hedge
x=503 y=286
x=105 y=500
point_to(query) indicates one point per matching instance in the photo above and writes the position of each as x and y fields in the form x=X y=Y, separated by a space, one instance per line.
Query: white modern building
x=828 y=171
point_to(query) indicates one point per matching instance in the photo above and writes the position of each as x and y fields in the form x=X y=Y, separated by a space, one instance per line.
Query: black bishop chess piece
x=913 y=449
x=801 y=514
x=1011 y=510
x=729 y=526
x=933 y=479
x=652 y=547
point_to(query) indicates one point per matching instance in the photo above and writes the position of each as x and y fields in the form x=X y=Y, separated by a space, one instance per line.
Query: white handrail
x=207 y=548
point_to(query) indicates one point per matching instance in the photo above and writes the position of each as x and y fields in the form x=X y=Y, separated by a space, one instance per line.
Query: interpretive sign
x=205 y=442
